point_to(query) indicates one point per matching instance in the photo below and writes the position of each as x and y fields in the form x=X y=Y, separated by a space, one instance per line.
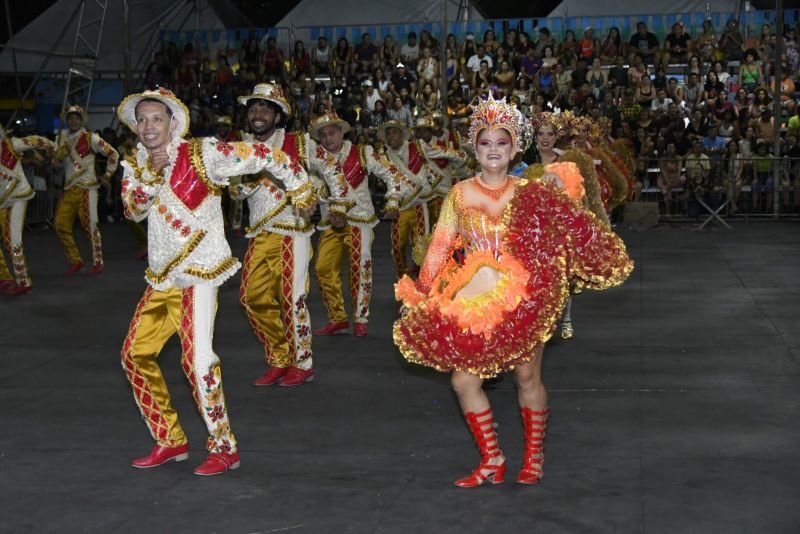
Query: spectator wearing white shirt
x=661 y=102
x=409 y=52
x=474 y=62
x=370 y=96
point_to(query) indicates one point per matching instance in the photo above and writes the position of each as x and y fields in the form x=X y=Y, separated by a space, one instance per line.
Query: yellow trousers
x=12 y=221
x=273 y=294
x=79 y=203
x=190 y=313
x=410 y=225
x=355 y=243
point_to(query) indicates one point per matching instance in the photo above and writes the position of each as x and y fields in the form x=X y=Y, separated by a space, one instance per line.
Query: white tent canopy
x=34 y=42
x=593 y=8
x=374 y=12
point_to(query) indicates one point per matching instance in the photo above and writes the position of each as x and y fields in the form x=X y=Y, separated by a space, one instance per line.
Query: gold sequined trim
x=300 y=142
x=196 y=157
x=210 y=274
x=9 y=189
x=191 y=245
x=137 y=171
x=300 y=190
x=292 y=227
x=306 y=202
x=411 y=198
x=362 y=220
x=266 y=218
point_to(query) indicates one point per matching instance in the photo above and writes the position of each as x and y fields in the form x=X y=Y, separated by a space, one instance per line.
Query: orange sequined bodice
x=471 y=215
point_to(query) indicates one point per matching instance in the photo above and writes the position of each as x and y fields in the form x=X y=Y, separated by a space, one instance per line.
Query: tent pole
x=442 y=63
x=14 y=57
x=776 y=111
x=126 y=43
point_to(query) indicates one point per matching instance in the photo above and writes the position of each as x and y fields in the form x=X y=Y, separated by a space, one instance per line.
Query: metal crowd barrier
x=722 y=188
x=47 y=180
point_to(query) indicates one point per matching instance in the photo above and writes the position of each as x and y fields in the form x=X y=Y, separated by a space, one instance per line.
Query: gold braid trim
x=137 y=171
x=300 y=190
x=196 y=157
x=362 y=158
x=300 y=142
x=361 y=220
x=266 y=218
x=210 y=274
x=293 y=227
x=9 y=189
x=192 y=244
x=411 y=197
x=307 y=202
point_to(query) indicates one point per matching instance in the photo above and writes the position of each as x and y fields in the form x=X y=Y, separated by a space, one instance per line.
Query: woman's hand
x=553 y=179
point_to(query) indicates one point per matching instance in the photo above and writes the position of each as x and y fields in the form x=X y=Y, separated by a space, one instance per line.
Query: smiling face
x=154 y=125
x=331 y=137
x=494 y=150
x=262 y=118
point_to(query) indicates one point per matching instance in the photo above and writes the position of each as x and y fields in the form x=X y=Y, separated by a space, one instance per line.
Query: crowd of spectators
x=714 y=89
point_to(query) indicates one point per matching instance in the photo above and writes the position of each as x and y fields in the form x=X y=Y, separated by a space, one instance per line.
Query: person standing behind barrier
x=75 y=149
x=15 y=192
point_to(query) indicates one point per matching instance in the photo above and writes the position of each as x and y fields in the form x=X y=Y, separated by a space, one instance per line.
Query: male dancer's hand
x=160 y=159
x=306 y=212
x=391 y=215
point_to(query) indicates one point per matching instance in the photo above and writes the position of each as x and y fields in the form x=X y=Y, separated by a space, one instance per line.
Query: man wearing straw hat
x=350 y=235
x=15 y=192
x=176 y=184
x=275 y=274
x=75 y=148
x=412 y=223
x=442 y=157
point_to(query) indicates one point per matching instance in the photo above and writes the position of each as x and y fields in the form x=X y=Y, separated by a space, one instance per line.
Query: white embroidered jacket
x=415 y=189
x=357 y=162
x=270 y=206
x=186 y=236
x=443 y=159
x=78 y=150
x=14 y=186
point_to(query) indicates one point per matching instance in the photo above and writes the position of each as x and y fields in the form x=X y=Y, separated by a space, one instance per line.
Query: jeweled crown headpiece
x=559 y=121
x=491 y=114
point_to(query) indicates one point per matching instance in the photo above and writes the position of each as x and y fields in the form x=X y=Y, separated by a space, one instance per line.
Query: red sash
x=354 y=172
x=290 y=146
x=83 y=147
x=8 y=158
x=415 y=159
x=185 y=182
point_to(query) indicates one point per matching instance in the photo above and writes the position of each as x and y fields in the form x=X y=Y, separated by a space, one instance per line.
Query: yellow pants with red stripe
x=12 y=221
x=355 y=243
x=77 y=203
x=273 y=293
x=411 y=225
x=190 y=313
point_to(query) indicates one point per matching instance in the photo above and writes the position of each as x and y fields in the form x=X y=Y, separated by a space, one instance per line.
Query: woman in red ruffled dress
x=493 y=309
